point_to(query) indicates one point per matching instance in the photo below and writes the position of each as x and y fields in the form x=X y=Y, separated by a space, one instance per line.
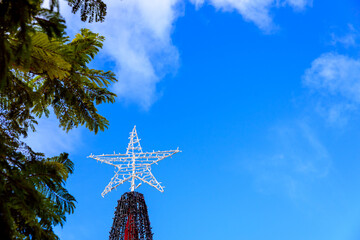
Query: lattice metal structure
x=133 y=166
x=131 y=221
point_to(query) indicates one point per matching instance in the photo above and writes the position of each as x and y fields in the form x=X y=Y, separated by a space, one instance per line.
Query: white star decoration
x=134 y=165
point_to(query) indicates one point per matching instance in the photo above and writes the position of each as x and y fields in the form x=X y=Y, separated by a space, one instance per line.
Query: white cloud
x=335 y=74
x=336 y=79
x=257 y=11
x=138 y=38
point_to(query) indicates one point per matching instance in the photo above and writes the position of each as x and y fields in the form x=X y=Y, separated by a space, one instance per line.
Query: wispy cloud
x=299 y=4
x=257 y=11
x=297 y=158
x=349 y=39
x=335 y=81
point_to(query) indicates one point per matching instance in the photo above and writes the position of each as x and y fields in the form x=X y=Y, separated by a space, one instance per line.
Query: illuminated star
x=133 y=166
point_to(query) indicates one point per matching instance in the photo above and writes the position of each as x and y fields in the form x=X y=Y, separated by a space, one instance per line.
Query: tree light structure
x=133 y=166
x=131 y=219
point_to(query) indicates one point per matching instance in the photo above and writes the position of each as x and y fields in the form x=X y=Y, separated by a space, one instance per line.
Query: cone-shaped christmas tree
x=131 y=221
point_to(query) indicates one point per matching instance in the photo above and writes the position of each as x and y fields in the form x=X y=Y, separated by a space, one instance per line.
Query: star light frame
x=133 y=165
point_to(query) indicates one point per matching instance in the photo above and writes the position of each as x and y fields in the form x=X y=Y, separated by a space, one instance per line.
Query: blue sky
x=263 y=99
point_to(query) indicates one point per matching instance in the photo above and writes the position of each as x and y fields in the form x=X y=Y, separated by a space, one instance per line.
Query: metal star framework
x=134 y=165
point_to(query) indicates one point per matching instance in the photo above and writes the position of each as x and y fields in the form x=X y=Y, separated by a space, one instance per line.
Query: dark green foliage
x=90 y=10
x=41 y=68
x=20 y=18
x=32 y=192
